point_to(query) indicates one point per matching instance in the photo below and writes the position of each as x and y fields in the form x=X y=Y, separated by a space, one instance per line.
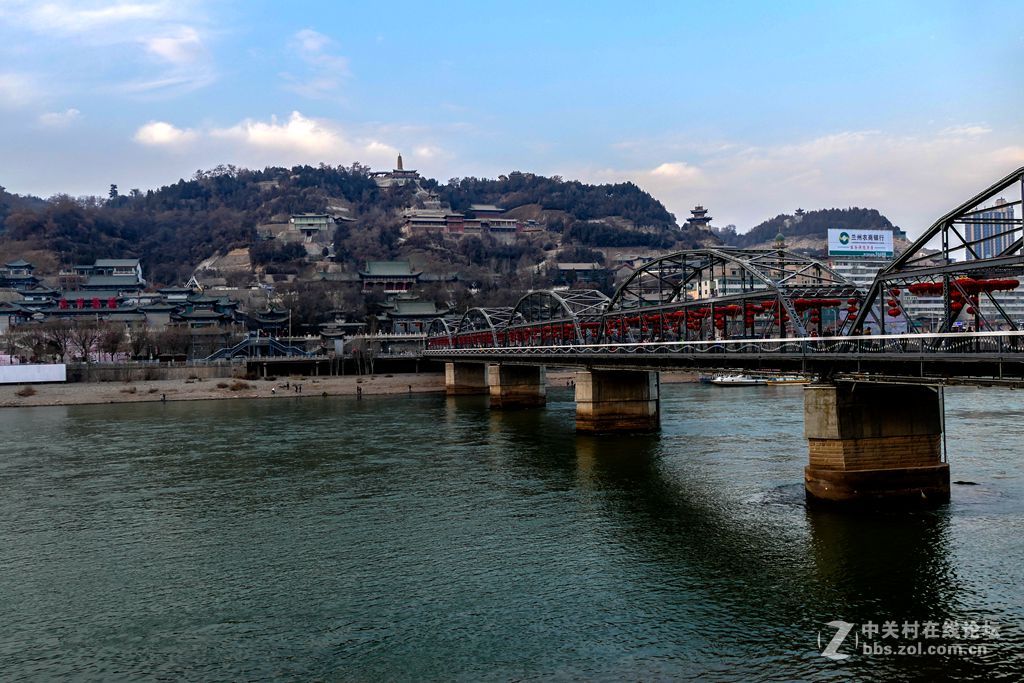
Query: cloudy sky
x=751 y=109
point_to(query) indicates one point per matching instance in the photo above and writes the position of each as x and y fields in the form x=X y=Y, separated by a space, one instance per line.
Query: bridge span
x=873 y=419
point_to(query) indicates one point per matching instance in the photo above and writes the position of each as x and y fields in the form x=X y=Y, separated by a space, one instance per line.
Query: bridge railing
x=912 y=344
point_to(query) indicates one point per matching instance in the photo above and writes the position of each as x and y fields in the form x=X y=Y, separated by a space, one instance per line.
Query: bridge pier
x=617 y=401
x=517 y=386
x=871 y=444
x=465 y=379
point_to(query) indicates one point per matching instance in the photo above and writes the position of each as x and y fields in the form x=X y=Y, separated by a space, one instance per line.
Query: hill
x=812 y=225
x=176 y=227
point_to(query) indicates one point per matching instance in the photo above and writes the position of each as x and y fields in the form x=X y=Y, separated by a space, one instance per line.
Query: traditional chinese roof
x=112 y=281
x=404 y=308
x=389 y=268
x=20 y=263
x=116 y=263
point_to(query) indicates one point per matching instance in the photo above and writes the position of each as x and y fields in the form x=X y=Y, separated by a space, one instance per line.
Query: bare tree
x=174 y=339
x=111 y=338
x=85 y=334
x=139 y=341
x=58 y=334
x=33 y=338
x=10 y=340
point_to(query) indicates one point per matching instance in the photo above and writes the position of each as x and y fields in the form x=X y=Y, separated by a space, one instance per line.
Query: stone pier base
x=465 y=379
x=617 y=401
x=874 y=444
x=517 y=386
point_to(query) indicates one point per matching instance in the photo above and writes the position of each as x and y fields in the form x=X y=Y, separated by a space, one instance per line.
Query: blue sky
x=749 y=108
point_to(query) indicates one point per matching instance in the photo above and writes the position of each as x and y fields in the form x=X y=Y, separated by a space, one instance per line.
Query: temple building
x=699 y=218
x=391 y=277
x=396 y=176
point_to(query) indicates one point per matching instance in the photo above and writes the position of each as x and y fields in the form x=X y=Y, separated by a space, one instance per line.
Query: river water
x=424 y=538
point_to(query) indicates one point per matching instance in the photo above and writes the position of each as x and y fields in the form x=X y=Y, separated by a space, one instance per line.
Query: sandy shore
x=83 y=393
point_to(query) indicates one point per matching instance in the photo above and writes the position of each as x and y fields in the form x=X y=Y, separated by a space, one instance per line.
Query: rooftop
x=116 y=262
x=393 y=268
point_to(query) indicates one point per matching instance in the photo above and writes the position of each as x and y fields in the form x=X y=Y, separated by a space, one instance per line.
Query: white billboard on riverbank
x=859 y=242
x=33 y=374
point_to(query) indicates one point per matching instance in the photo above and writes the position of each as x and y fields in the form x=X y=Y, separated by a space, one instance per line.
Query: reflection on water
x=431 y=538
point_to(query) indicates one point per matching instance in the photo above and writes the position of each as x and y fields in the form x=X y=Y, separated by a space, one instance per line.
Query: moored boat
x=737 y=381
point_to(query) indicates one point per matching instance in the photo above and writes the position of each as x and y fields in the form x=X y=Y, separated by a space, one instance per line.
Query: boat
x=738 y=381
x=789 y=379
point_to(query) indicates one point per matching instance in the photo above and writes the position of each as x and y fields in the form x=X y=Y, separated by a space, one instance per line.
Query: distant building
x=19 y=273
x=432 y=221
x=311 y=224
x=391 y=277
x=991 y=231
x=485 y=211
x=396 y=176
x=411 y=316
x=698 y=218
x=568 y=273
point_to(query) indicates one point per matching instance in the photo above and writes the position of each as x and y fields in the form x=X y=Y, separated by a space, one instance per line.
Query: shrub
x=222 y=385
x=238 y=385
x=25 y=392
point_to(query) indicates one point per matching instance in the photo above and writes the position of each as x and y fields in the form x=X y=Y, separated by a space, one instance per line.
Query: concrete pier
x=617 y=401
x=517 y=386
x=465 y=379
x=874 y=444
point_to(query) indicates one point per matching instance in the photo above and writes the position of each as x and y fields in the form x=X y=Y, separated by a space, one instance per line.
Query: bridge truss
x=962 y=268
x=727 y=293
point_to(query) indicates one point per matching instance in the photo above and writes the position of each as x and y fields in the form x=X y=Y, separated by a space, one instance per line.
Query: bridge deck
x=955 y=358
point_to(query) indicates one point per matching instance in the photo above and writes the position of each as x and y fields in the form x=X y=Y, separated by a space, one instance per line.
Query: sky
x=749 y=108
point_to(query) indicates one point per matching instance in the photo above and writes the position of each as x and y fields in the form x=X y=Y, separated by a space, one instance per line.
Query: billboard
x=859 y=242
x=24 y=374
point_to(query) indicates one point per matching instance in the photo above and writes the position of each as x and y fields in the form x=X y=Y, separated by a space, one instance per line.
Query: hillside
x=812 y=226
x=176 y=227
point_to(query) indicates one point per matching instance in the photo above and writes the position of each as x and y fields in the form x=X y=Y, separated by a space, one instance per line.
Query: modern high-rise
x=992 y=229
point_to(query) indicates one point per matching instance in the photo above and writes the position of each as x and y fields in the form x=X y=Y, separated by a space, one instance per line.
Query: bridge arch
x=482 y=325
x=571 y=316
x=960 y=272
x=441 y=333
x=692 y=293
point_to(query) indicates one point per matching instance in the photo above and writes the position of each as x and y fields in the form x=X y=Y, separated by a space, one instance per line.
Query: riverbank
x=84 y=393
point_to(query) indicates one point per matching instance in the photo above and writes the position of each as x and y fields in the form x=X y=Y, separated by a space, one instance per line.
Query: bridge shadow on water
x=759 y=576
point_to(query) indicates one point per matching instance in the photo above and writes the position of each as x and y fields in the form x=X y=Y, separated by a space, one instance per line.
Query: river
x=424 y=538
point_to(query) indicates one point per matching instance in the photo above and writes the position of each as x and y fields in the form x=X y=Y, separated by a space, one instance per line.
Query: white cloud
x=297 y=139
x=79 y=18
x=912 y=179
x=966 y=131
x=181 y=47
x=301 y=139
x=104 y=35
x=59 y=119
x=677 y=170
x=324 y=71
x=163 y=134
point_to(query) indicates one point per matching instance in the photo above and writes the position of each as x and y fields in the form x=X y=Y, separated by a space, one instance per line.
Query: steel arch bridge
x=693 y=295
x=961 y=267
x=703 y=294
x=569 y=317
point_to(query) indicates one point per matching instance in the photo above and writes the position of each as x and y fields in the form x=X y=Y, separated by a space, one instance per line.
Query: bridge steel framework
x=722 y=293
x=964 y=261
x=874 y=425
